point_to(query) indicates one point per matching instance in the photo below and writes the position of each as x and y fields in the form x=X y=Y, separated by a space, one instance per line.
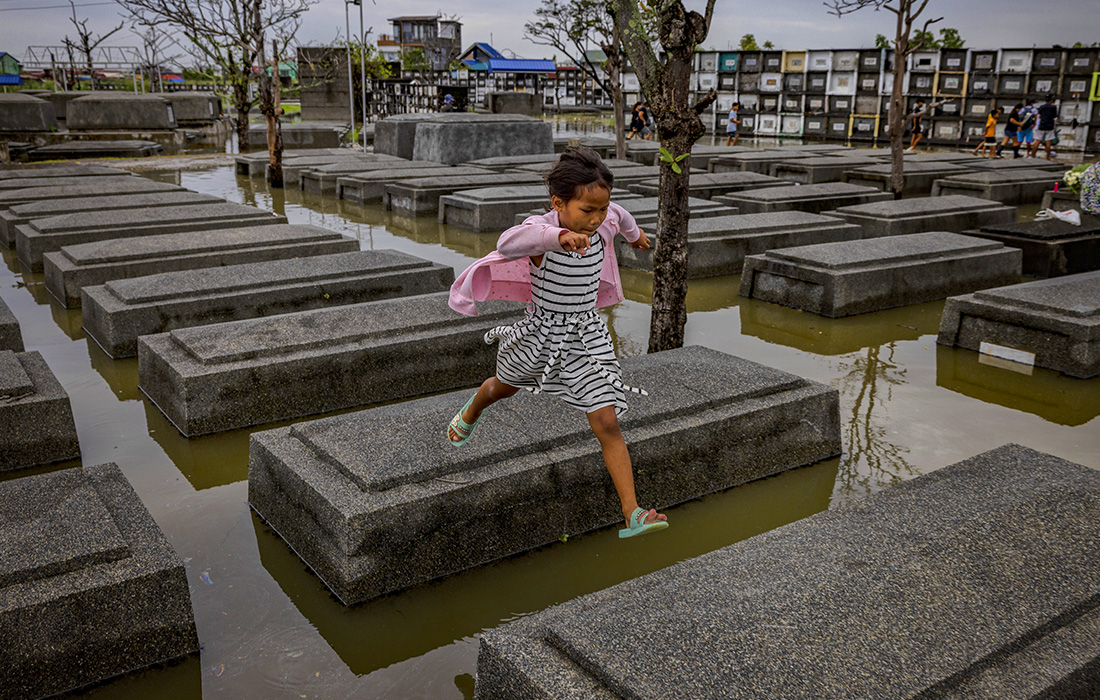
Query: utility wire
x=53 y=7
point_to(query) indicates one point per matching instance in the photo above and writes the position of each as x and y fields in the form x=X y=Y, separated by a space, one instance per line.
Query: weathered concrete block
x=60 y=101
x=918 y=177
x=293 y=169
x=975 y=581
x=396 y=134
x=718 y=245
x=1062 y=200
x=644 y=209
x=813 y=199
x=496 y=208
x=72 y=150
x=10 y=336
x=855 y=277
x=1051 y=323
x=41 y=209
x=1051 y=248
x=503 y=163
x=626 y=173
x=232 y=375
x=101 y=111
x=35 y=238
x=89 y=586
x=61 y=186
x=512 y=102
x=303 y=135
x=49 y=171
x=322 y=179
x=25 y=113
x=420 y=197
x=818 y=169
x=381 y=509
x=193 y=108
x=1018 y=186
x=116 y=313
x=711 y=185
x=35 y=412
x=365 y=187
x=457 y=138
x=86 y=187
x=71 y=269
x=640 y=151
x=955 y=213
x=753 y=161
x=701 y=155
x=988 y=164
x=254 y=164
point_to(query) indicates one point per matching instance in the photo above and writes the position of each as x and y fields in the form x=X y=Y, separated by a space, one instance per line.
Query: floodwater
x=268 y=627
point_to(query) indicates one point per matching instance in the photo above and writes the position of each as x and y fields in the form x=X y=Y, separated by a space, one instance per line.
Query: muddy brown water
x=269 y=628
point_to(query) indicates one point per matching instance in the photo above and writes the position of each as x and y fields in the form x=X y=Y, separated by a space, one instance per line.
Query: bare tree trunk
x=614 y=75
x=898 y=111
x=242 y=104
x=271 y=106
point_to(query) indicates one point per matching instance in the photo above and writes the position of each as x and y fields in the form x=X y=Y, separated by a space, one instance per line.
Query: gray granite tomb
x=813 y=199
x=35 y=412
x=816 y=170
x=10 y=336
x=710 y=185
x=1018 y=186
x=1051 y=248
x=368 y=187
x=420 y=197
x=955 y=213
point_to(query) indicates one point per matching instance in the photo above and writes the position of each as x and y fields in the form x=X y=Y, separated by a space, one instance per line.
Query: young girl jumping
x=563 y=264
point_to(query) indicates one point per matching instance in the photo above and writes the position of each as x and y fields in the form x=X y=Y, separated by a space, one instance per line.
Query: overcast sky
x=790 y=24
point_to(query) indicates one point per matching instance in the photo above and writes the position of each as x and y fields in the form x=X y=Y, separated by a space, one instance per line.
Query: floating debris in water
x=205 y=578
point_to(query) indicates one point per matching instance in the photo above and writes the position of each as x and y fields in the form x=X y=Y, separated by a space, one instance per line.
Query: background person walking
x=733 y=124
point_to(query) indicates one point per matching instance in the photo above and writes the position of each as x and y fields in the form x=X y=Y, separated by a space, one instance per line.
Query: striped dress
x=562 y=346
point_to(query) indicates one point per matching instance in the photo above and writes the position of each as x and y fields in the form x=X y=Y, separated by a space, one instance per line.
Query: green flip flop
x=463 y=429
x=638 y=525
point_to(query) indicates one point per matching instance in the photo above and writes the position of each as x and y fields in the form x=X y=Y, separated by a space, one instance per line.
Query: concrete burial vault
x=978 y=580
x=377 y=501
x=232 y=375
x=35 y=413
x=89 y=586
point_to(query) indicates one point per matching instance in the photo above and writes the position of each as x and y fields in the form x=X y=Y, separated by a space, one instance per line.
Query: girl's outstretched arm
x=533 y=237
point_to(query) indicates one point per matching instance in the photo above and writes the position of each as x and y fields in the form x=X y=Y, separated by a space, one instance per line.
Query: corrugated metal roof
x=521 y=65
x=489 y=50
x=10 y=79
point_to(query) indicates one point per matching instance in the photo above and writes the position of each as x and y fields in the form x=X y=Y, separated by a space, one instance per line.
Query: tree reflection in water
x=870 y=461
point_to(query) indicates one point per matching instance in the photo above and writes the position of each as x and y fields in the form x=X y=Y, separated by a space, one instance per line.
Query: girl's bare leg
x=490 y=391
x=616 y=458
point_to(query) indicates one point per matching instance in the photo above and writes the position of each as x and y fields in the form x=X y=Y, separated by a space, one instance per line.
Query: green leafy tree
x=748 y=43
x=415 y=59
x=923 y=40
x=769 y=45
x=881 y=42
x=950 y=39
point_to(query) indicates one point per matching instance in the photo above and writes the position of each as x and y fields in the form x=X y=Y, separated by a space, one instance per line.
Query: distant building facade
x=440 y=39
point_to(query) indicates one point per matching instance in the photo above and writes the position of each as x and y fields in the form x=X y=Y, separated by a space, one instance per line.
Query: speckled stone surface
x=503 y=163
x=63 y=182
x=1057 y=320
x=718 y=245
x=854 y=277
x=10 y=336
x=812 y=199
x=1010 y=164
x=494 y=209
x=955 y=213
x=815 y=170
x=1014 y=186
x=293 y=167
x=396 y=134
x=377 y=501
x=89 y=586
x=366 y=187
x=105 y=187
x=710 y=185
x=420 y=197
x=644 y=209
x=460 y=137
x=758 y=161
x=1051 y=248
x=22 y=213
x=40 y=236
x=977 y=581
x=232 y=375
x=919 y=177
x=121 y=310
x=74 y=267
x=35 y=412
x=29 y=172
x=626 y=173
x=254 y=164
x=322 y=179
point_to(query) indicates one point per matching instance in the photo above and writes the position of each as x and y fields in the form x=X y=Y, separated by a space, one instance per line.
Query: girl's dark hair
x=577 y=169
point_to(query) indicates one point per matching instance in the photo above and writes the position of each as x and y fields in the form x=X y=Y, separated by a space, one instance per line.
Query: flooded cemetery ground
x=269 y=628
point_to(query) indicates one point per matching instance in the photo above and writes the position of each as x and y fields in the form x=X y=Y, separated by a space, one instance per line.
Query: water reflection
x=837 y=336
x=871 y=461
x=207 y=461
x=391 y=629
x=121 y=375
x=1051 y=396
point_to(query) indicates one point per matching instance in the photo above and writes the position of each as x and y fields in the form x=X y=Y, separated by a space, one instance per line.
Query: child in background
x=732 y=124
x=563 y=264
x=989 y=135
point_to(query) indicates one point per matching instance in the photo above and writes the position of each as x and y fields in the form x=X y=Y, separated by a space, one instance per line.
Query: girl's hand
x=642 y=243
x=573 y=242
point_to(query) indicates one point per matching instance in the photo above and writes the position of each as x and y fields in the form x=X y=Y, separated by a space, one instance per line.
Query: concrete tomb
x=74 y=267
x=396 y=134
x=718 y=245
x=976 y=580
x=1011 y=164
x=26 y=173
x=255 y=164
x=40 y=236
x=10 y=336
x=109 y=111
x=84 y=187
x=376 y=502
x=816 y=170
x=35 y=412
x=701 y=155
x=19 y=113
x=313 y=134
x=710 y=185
x=89 y=586
x=293 y=169
x=1062 y=200
x=644 y=209
x=1051 y=248
x=495 y=208
x=754 y=161
x=512 y=102
x=234 y=375
x=116 y=313
x=808 y=198
x=41 y=209
x=62 y=184
x=322 y=179
x=73 y=150
x=457 y=138
x=367 y=187
x=503 y=163
x=918 y=177
x=855 y=277
x=1051 y=323
x=194 y=108
x=955 y=213
x=420 y=197
x=626 y=173
x=1018 y=186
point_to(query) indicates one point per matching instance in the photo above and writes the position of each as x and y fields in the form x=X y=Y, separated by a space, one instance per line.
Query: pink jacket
x=504 y=273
